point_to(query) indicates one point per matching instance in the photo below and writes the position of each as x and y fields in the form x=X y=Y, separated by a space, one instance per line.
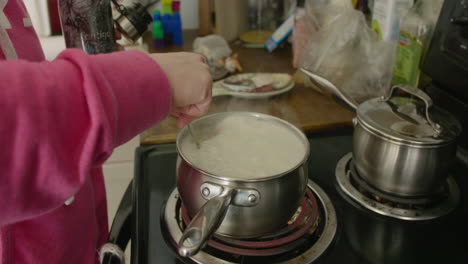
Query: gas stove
x=355 y=235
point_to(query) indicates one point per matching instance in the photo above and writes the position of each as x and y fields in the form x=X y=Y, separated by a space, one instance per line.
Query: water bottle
x=87 y=25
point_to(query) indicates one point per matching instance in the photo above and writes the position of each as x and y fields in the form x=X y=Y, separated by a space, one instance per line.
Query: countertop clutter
x=301 y=106
x=374 y=191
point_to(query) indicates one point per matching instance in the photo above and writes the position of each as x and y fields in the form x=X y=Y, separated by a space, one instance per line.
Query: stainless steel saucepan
x=236 y=207
x=402 y=146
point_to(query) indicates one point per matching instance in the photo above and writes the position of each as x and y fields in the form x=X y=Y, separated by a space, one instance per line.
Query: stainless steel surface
x=242 y=197
x=329 y=86
x=246 y=197
x=404 y=164
x=275 y=197
x=421 y=95
x=446 y=129
x=204 y=223
x=309 y=256
x=437 y=210
x=127 y=28
x=399 y=119
x=399 y=168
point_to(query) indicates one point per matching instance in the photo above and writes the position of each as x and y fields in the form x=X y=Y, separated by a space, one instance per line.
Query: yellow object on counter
x=255 y=36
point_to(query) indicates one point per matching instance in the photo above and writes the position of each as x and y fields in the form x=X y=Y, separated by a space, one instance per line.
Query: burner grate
x=420 y=208
x=305 y=222
x=308 y=235
x=393 y=200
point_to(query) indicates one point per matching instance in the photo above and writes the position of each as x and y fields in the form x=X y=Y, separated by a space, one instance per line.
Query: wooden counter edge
x=170 y=138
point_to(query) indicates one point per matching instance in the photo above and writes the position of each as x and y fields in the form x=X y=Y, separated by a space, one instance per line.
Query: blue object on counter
x=156 y=15
x=280 y=34
x=172 y=26
x=176 y=27
x=167 y=27
x=158 y=31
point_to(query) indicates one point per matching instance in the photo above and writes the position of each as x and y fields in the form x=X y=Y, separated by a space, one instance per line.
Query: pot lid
x=409 y=120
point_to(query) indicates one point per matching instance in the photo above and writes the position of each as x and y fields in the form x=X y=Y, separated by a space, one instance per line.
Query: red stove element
x=306 y=237
x=305 y=221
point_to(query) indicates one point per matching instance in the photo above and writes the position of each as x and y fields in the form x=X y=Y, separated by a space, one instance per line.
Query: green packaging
x=408 y=57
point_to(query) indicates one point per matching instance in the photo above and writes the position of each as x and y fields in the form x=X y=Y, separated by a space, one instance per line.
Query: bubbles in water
x=247 y=147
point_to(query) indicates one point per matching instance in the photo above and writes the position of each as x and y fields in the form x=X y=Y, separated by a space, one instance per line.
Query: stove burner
x=307 y=236
x=419 y=208
x=305 y=221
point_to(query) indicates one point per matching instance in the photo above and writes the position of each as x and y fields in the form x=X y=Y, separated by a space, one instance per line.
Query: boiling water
x=246 y=147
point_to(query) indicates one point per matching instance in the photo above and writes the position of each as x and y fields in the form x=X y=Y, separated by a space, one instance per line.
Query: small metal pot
x=234 y=207
x=400 y=151
x=397 y=149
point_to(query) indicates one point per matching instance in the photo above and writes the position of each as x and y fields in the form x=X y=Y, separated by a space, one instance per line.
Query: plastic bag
x=345 y=51
x=215 y=49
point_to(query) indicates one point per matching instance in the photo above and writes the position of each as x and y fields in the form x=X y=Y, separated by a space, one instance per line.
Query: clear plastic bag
x=345 y=51
x=215 y=49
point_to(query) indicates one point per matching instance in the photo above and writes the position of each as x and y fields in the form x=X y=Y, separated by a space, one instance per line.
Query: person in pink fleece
x=60 y=121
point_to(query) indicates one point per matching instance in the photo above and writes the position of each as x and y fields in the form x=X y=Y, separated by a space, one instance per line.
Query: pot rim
x=229 y=179
x=451 y=127
x=402 y=141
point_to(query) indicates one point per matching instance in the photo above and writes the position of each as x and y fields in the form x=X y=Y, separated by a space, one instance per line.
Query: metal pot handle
x=421 y=95
x=204 y=224
x=326 y=84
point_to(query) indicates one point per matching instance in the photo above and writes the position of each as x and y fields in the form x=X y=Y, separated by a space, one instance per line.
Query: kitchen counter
x=302 y=106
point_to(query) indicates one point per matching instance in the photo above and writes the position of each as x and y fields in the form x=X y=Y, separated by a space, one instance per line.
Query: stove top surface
x=415 y=209
x=362 y=236
x=306 y=237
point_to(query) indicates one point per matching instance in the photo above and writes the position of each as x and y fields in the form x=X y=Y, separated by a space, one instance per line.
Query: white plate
x=219 y=89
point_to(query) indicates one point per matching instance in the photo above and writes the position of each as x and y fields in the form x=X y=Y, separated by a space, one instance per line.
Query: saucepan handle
x=204 y=224
x=330 y=87
x=423 y=97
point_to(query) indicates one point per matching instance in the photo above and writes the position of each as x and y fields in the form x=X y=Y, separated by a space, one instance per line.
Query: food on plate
x=257 y=82
x=263 y=89
x=246 y=147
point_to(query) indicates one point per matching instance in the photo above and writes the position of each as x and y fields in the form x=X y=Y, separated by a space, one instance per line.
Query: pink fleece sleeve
x=59 y=119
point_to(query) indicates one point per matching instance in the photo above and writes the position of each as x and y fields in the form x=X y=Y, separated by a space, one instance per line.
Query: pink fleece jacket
x=60 y=120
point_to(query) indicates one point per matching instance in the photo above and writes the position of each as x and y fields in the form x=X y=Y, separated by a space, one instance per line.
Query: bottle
x=414 y=37
x=177 y=37
x=167 y=29
x=166 y=6
x=158 y=32
x=176 y=6
x=88 y=25
x=386 y=16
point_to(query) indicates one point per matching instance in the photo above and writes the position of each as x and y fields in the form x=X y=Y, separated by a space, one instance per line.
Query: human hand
x=190 y=81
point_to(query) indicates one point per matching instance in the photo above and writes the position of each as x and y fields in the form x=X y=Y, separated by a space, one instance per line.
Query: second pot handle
x=204 y=224
x=421 y=95
x=326 y=84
